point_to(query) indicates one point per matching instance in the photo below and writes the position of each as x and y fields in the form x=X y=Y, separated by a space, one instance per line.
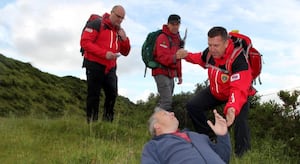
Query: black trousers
x=203 y=101
x=96 y=80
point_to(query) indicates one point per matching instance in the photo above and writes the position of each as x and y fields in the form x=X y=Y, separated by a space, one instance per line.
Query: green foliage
x=179 y=108
x=290 y=103
x=268 y=122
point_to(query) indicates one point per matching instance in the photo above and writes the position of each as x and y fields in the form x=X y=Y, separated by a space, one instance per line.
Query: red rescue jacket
x=164 y=53
x=97 y=43
x=233 y=86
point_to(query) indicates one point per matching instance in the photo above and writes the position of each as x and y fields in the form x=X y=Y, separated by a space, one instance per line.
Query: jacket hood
x=107 y=22
x=166 y=30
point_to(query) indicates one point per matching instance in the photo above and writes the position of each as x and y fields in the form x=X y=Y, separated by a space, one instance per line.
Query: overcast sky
x=47 y=33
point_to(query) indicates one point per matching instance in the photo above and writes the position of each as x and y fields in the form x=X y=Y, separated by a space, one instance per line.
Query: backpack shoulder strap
x=95 y=24
x=169 y=38
x=236 y=52
x=207 y=64
x=208 y=55
x=241 y=40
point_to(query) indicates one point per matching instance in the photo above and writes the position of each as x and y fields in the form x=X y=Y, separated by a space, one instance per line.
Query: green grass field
x=72 y=141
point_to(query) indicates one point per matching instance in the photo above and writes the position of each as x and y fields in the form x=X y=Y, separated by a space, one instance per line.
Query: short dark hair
x=174 y=18
x=218 y=31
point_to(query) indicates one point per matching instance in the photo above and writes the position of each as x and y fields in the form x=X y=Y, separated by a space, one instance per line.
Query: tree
x=290 y=102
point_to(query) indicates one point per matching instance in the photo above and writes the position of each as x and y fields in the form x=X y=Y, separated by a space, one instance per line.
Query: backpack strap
x=228 y=63
x=96 y=24
x=232 y=58
x=207 y=65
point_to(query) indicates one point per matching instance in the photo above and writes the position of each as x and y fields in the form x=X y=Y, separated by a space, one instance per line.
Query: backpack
x=252 y=54
x=148 y=50
x=91 y=18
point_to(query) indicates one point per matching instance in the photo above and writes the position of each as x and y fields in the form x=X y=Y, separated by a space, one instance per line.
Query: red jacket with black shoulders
x=233 y=86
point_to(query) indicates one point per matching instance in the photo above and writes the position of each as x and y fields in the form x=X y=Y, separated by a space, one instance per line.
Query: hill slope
x=25 y=90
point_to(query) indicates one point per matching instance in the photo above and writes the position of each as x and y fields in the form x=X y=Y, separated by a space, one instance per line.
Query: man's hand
x=122 y=34
x=110 y=55
x=179 y=80
x=220 y=127
x=181 y=53
x=230 y=116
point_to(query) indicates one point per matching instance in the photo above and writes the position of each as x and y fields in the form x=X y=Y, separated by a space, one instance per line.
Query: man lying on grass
x=169 y=145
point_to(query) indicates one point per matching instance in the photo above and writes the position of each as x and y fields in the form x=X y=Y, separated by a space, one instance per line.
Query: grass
x=71 y=140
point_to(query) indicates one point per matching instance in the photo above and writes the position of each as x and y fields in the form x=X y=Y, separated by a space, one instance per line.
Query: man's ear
x=156 y=126
x=226 y=43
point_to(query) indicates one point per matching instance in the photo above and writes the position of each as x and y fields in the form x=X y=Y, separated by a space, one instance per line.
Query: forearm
x=125 y=47
x=239 y=91
x=223 y=147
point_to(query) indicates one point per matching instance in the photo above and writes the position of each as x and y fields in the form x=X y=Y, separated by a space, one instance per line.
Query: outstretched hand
x=220 y=127
x=230 y=116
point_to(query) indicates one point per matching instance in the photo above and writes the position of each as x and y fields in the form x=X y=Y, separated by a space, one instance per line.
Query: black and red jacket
x=99 y=37
x=166 y=46
x=233 y=86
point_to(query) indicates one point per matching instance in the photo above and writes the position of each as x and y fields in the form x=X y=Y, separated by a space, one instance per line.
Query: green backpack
x=148 y=50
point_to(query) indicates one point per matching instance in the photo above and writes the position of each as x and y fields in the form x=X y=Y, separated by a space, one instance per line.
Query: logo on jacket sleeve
x=224 y=78
x=90 y=30
x=163 y=44
x=235 y=77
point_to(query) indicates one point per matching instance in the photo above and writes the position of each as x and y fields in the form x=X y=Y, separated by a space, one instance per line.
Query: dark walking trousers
x=203 y=101
x=96 y=80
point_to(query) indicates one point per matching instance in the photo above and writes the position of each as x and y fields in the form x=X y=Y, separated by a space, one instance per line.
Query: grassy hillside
x=25 y=90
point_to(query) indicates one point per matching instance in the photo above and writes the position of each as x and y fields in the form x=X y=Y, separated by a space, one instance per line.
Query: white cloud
x=47 y=33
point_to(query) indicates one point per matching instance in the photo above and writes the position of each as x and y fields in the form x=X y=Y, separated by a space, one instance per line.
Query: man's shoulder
x=193 y=134
x=95 y=24
x=162 y=36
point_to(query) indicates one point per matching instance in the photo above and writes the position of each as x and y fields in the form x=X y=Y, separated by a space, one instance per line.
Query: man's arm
x=223 y=147
x=240 y=82
x=163 y=51
x=88 y=38
x=194 y=58
x=149 y=154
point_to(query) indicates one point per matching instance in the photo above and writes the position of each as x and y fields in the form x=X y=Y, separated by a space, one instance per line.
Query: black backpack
x=91 y=18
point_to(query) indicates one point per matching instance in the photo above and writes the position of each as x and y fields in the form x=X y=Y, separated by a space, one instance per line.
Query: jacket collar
x=107 y=22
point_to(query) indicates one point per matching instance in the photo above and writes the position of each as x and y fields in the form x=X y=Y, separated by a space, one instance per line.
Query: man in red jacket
x=103 y=40
x=166 y=46
x=229 y=87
